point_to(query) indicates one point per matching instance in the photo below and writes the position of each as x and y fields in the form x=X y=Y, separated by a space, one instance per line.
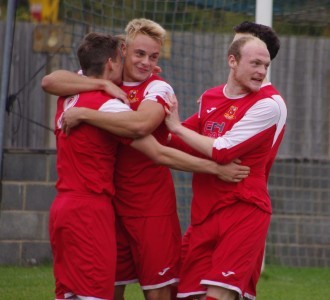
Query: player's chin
x=142 y=75
x=255 y=87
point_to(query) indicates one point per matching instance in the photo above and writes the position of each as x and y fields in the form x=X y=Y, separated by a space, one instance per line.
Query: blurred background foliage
x=298 y=17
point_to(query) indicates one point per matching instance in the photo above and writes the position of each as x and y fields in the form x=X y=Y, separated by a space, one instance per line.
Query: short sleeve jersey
x=86 y=157
x=144 y=188
x=250 y=128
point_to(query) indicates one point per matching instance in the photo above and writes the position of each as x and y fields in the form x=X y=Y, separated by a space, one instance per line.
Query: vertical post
x=5 y=75
x=264 y=12
x=264 y=15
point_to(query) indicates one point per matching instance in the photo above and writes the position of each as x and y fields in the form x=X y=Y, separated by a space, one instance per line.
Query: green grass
x=276 y=283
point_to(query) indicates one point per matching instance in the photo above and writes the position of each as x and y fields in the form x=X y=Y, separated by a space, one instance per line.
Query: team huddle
x=114 y=220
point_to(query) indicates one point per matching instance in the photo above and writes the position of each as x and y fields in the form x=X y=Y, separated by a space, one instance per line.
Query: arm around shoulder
x=62 y=83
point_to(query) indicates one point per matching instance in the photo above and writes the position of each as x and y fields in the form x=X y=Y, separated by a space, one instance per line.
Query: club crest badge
x=230 y=114
x=132 y=96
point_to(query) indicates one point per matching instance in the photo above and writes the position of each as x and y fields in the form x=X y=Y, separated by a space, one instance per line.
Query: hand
x=172 y=119
x=233 y=172
x=71 y=118
x=156 y=70
x=116 y=91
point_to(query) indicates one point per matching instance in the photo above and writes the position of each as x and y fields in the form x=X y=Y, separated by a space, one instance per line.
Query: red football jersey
x=142 y=187
x=250 y=128
x=85 y=157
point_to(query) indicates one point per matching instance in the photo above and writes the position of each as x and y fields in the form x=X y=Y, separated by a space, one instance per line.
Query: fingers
x=67 y=131
x=239 y=177
x=123 y=97
x=236 y=177
x=171 y=101
x=237 y=161
x=157 y=70
x=65 y=128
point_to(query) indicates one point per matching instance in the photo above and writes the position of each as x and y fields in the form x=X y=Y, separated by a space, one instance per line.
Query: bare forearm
x=62 y=83
x=173 y=158
x=112 y=122
x=178 y=160
x=201 y=143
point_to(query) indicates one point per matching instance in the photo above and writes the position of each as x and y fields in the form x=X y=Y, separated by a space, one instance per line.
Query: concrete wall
x=299 y=234
x=27 y=192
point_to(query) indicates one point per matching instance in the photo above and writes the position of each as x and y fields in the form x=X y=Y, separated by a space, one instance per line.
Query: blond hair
x=146 y=27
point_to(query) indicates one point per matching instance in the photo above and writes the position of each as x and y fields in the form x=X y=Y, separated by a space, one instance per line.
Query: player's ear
x=109 y=64
x=123 y=49
x=232 y=61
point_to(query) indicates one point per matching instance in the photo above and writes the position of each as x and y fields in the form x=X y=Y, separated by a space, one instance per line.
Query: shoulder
x=271 y=98
x=268 y=107
x=157 y=83
x=269 y=88
x=114 y=105
x=213 y=93
x=216 y=89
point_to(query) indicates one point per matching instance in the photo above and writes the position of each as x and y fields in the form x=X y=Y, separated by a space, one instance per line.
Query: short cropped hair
x=263 y=32
x=94 y=51
x=237 y=45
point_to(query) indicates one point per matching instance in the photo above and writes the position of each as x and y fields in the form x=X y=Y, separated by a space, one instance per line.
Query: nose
x=263 y=69
x=146 y=60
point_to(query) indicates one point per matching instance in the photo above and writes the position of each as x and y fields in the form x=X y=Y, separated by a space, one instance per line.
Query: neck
x=234 y=90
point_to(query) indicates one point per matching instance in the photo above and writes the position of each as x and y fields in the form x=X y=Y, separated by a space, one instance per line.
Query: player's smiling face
x=141 y=56
x=250 y=71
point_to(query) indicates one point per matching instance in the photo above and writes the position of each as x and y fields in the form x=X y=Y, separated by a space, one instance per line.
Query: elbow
x=159 y=155
x=140 y=130
x=141 y=133
x=47 y=84
x=160 y=160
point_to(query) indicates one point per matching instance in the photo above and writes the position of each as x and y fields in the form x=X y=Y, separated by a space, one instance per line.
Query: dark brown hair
x=263 y=32
x=95 y=50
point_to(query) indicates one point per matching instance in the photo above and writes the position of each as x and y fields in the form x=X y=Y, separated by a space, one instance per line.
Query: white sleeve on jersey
x=158 y=88
x=261 y=116
x=114 y=105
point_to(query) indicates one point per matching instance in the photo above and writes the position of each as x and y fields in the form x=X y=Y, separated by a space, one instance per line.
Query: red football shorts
x=148 y=251
x=82 y=236
x=226 y=251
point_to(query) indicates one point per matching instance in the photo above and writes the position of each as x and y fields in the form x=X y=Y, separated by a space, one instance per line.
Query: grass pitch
x=276 y=283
